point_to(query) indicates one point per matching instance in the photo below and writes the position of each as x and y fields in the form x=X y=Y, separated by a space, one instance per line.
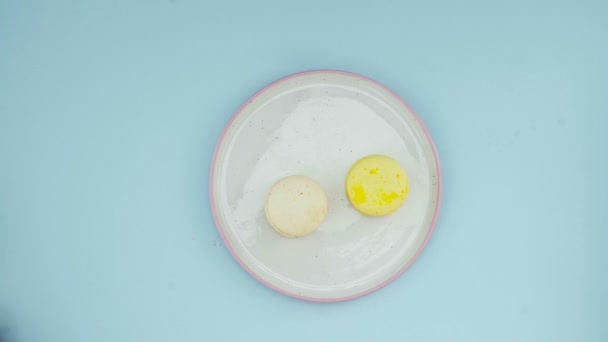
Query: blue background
x=110 y=110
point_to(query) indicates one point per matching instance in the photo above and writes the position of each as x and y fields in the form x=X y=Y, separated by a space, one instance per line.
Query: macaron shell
x=296 y=206
x=377 y=185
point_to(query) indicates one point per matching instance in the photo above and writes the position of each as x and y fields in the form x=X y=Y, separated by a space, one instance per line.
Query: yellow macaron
x=377 y=185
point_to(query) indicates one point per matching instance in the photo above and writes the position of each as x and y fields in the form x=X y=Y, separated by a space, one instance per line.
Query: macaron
x=377 y=185
x=296 y=206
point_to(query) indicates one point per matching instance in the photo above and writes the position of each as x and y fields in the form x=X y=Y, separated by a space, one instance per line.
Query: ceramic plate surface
x=318 y=124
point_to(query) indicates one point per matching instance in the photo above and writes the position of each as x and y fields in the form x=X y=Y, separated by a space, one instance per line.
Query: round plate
x=318 y=124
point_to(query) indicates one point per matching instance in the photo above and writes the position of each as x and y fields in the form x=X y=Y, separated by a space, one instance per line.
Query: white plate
x=318 y=124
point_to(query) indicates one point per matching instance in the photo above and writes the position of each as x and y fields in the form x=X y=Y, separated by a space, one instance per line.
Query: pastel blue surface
x=110 y=110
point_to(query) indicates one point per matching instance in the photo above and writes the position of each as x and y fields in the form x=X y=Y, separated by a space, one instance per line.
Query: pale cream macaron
x=296 y=206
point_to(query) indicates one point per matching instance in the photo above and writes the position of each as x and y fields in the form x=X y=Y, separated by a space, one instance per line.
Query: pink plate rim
x=386 y=282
